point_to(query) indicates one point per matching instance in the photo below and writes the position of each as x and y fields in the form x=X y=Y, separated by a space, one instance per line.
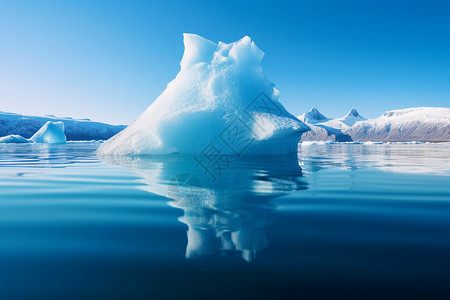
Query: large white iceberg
x=219 y=103
x=51 y=133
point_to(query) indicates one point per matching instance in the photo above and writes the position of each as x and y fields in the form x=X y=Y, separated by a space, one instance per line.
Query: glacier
x=50 y=133
x=75 y=129
x=220 y=103
x=422 y=124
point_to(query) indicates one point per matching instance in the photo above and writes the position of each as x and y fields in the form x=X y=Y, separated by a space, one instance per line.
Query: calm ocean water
x=338 y=220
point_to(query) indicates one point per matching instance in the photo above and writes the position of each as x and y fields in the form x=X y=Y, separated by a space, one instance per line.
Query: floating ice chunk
x=51 y=133
x=219 y=103
x=373 y=143
x=14 y=138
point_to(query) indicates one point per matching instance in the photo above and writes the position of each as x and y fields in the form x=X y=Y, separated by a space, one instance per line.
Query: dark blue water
x=339 y=220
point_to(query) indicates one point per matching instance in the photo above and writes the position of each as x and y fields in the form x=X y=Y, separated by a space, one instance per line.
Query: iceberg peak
x=197 y=50
x=219 y=92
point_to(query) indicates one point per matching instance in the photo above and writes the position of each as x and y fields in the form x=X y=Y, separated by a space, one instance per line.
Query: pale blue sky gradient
x=109 y=60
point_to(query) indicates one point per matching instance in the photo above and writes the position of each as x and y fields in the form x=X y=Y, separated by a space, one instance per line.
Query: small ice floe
x=50 y=133
x=373 y=143
x=14 y=138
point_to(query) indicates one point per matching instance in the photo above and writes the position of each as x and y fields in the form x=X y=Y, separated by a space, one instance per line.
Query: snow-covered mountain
x=411 y=124
x=75 y=129
x=324 y=133
x=352 y=117
x=313 y=117
x=327 y=129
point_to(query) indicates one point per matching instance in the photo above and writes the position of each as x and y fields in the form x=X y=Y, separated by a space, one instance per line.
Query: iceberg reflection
x=227 y=209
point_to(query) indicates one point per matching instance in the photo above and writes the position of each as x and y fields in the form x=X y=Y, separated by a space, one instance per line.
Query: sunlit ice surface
x=336 y=219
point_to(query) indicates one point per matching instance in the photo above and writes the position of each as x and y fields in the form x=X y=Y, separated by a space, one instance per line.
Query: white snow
x=313 y=117
x=406 y=125
x=345 y=122
x=14 y=138
x=411 y=124
x=221 y=100
x=424 y=114
x=316 y=118
x=50 y=133
x=351 y=118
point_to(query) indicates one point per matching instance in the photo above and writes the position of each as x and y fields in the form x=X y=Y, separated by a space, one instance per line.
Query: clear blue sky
x=109 y=60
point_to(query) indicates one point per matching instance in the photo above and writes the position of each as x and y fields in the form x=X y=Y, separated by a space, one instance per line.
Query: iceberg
x=220 y=103
x=50 y=133
x=14 y=138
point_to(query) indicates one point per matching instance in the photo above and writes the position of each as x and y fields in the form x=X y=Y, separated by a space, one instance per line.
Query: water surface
x=338 y=219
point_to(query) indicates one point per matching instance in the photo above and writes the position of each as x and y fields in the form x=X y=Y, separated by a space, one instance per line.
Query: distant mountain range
x=75 y=129
x=426 y=124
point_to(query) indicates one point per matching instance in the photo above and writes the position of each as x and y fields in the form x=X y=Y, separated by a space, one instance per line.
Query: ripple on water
x=336 y=215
